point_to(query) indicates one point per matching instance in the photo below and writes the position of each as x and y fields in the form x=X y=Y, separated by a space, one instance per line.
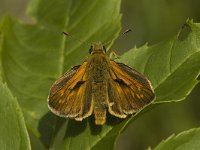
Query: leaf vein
x=167 y=76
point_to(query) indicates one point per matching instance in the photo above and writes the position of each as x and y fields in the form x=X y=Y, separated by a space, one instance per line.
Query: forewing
x=70 y=96
x=63 y=80
x=128 y=91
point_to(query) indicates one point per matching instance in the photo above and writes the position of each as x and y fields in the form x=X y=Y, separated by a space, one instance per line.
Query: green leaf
x=183 y=141
x=172 y=65
x=89 y=21
x=33 y=56
x=13 y=133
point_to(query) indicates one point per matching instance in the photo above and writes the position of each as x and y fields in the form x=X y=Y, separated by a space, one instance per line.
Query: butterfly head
x=97 y=48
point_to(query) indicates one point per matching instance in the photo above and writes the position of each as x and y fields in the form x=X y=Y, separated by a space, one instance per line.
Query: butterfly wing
x=70 y=96
x=128 y=91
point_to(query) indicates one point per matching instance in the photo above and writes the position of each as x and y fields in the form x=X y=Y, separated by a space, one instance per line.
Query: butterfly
x=99 y=86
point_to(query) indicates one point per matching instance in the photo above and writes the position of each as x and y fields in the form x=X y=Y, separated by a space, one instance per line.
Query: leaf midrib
x=176 y=69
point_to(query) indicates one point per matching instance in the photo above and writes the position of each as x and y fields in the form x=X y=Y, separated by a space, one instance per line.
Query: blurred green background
x=151 y=22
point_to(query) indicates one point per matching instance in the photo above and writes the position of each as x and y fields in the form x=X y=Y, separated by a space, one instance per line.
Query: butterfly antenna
x=69 y=35
x=126 y=31
x=120 y=36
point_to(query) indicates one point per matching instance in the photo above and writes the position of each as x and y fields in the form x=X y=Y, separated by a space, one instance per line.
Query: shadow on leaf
x=46 y=128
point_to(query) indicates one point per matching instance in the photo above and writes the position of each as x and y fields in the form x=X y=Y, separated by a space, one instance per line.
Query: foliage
x=183 y=141
x=33 y=56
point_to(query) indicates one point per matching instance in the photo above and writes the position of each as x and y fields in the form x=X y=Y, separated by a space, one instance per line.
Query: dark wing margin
x=70 y=96
x=135 y=74
x=128 y=91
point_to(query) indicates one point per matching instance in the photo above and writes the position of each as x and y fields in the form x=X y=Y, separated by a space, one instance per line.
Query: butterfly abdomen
x=99 y=75
x=99 y=96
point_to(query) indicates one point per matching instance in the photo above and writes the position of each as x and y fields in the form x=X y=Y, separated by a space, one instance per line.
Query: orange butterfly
x=98 y=86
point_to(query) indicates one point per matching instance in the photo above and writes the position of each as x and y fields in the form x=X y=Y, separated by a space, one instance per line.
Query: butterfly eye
x=90 y=50
x=104 y=48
